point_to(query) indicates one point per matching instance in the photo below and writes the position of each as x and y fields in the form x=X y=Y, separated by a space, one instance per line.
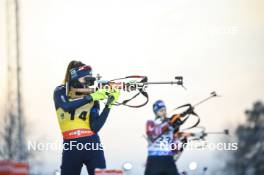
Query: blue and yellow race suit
x=80 y=122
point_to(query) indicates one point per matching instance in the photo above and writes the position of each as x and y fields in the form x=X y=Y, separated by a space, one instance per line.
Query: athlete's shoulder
x=150 y=123
x=59 y=88
x=59 y=92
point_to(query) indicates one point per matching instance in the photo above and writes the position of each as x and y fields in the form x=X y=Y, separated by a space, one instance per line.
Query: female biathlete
x=160 y=135
x=166 y=142
x=80 y=121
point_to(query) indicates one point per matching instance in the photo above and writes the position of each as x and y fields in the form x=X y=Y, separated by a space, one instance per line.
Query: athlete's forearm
x=70 y=105
x=97 y=121
x=62 y=101
x=154 y=131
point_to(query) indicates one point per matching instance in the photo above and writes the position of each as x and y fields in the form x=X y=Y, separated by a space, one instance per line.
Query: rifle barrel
x=164 y=82
x=215 y=133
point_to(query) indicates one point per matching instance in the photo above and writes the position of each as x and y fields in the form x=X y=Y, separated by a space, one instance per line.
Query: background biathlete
x=160 y=135
x=80 y=121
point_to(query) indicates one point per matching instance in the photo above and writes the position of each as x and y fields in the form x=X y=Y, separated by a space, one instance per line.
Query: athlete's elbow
x=66 y=107
x=150 y=135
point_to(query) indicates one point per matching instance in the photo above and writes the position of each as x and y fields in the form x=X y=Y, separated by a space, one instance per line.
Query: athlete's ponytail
x=71 y=65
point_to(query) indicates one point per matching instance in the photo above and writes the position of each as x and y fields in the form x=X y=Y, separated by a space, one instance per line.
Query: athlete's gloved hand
x=175 y=121
x=99 y=95
x=112 y=97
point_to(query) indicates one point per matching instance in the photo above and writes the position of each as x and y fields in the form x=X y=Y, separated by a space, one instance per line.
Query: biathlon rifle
x=203 y=133
x=137 y=83
x=178 y=119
